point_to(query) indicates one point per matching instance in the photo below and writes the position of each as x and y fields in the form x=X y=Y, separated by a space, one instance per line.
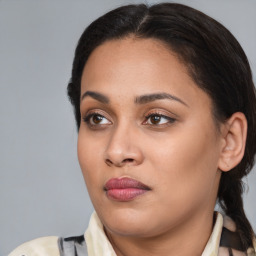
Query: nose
x=124 y=148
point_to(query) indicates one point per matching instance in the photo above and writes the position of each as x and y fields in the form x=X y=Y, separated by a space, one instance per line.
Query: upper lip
x=123 y=183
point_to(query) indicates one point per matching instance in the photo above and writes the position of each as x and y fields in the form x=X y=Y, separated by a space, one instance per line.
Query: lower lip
x=126 y=194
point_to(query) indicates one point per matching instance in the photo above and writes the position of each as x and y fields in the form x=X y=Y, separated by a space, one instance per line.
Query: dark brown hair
x=216 y=62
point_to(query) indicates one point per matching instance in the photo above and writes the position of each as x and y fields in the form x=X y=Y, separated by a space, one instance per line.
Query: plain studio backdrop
x=42 y=191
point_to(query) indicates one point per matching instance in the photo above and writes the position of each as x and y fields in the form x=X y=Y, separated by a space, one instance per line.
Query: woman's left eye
x=159 y=119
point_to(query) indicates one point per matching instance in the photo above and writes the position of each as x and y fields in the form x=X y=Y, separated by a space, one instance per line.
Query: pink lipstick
x=124 y=189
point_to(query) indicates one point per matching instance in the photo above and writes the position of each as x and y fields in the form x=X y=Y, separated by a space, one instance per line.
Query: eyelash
x=88 y=117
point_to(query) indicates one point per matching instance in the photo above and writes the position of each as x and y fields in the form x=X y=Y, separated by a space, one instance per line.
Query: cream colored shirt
x=99 y=245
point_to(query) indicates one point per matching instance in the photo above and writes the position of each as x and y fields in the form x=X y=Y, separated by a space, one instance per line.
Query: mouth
x=124 y=189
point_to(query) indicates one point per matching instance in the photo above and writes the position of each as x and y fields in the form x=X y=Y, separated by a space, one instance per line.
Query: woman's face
x=148 y=146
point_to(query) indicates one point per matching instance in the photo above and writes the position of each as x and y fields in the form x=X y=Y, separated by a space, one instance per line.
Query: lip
x=124 y=189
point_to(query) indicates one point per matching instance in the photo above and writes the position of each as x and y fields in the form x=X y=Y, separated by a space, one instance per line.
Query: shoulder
x=254 y=243
x=43 y=246
x=252 y=251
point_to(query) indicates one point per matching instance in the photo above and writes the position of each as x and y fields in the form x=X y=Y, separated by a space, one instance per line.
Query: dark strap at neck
x=72 y=246
x=232 y=240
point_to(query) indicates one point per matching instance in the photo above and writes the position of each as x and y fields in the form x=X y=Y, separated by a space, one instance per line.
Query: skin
x=178 y=159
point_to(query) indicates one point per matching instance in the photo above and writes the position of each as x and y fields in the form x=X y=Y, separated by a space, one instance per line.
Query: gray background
x=42 y=191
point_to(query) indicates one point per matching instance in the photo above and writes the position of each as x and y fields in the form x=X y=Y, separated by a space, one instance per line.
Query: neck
x=188 y=239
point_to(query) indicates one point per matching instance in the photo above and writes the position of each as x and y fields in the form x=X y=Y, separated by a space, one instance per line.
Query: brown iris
x=97 y=119
x=155 y=119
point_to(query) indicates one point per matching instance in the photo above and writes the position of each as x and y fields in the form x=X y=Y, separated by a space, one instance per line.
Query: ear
x=234 y=135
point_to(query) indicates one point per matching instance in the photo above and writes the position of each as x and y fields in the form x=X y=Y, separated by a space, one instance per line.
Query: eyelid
x=164 y=113
x=161 y=111
x=99 y=112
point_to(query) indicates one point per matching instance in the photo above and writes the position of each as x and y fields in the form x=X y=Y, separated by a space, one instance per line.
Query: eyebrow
x=97 y=96
x=143 y=99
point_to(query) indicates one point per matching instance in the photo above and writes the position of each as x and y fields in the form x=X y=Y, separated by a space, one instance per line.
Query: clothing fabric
x=72 y=246
x=223 y=241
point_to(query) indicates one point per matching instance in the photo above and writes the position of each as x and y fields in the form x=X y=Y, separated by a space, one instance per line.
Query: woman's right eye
x=95 y=119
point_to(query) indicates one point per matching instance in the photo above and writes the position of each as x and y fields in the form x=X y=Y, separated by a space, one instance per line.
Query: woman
x=166 y=115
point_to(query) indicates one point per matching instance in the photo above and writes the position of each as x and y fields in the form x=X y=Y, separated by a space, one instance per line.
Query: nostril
x=128 y=160
x=108 y=162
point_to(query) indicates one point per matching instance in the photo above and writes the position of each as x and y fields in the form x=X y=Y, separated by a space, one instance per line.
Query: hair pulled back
x=215 y=61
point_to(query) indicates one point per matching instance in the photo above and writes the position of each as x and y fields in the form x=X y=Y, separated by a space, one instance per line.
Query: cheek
x=88 y=150
x=185 y=164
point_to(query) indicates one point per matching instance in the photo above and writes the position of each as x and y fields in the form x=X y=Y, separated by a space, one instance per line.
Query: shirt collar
x=96 y=239
x=212 y=246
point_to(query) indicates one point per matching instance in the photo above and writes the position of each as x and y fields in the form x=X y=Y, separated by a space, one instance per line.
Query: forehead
x=141 y=56
x=134 y=66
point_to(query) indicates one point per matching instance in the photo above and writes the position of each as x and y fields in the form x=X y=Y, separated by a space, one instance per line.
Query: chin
x=128 y=222
x=128 y=229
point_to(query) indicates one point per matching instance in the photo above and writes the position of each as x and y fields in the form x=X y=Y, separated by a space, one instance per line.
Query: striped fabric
x=230 y=242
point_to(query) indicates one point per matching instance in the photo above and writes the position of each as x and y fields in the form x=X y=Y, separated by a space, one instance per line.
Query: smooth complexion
x=169 y=142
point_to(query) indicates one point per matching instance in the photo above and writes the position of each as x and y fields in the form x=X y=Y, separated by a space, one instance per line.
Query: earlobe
x=234 y=140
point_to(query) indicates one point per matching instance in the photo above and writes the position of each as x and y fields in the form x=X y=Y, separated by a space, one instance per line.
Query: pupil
x=97 y=119
x=155 y=119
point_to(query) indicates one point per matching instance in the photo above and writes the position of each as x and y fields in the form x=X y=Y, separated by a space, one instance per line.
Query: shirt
x=99 y=245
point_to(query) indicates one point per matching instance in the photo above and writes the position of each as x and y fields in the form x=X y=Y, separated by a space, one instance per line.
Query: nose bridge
x=123 y=146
